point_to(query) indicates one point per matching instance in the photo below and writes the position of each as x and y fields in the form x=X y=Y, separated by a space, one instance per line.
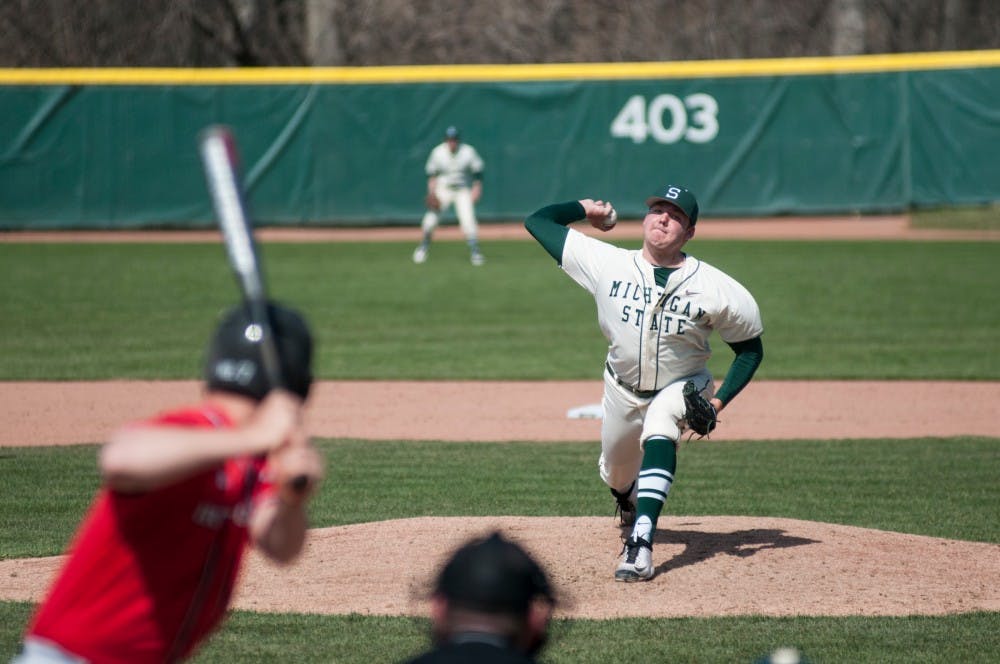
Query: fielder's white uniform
x=453 y=173
x=658 y=339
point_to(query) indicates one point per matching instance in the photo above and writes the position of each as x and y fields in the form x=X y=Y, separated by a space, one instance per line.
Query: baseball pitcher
x=657 y=306
x=454 y=177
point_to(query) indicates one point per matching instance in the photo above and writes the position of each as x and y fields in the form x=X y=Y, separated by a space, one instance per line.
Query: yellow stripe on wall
x=487 y=73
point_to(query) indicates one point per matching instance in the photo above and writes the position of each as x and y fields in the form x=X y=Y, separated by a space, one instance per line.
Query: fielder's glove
x=432 y=202
x=700 y=413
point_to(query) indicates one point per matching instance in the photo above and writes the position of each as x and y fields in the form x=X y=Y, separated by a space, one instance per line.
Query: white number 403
x=695 y=119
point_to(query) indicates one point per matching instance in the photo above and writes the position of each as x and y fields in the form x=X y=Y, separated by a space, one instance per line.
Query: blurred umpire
x=492 y=604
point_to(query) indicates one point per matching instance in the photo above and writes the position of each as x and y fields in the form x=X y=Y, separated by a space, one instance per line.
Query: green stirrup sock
x=659 y=462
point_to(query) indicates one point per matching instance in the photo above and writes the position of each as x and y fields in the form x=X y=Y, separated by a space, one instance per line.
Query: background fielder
x=657 y=307
x=454 y=177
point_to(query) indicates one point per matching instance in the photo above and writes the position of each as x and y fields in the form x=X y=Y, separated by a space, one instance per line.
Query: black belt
x=642 y=394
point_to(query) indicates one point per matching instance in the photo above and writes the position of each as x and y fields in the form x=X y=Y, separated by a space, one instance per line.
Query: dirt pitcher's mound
x=705 y=566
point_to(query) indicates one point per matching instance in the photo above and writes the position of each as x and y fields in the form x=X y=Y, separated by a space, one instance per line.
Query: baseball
x=610 y=220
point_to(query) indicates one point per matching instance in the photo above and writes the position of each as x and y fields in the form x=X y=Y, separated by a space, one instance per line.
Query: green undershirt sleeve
x=548 y=225
x=749 y=354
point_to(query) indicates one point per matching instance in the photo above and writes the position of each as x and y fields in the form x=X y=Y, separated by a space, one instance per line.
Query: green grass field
x=896 y=310
x=971 y=217
x=831 y=310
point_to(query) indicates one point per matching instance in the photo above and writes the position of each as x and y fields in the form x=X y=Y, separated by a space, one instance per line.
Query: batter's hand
x=600 y=214
x=275 y=421
x=297 y=468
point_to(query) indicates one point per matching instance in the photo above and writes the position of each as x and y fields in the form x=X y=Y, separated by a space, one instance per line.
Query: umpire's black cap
x=234 y=361
x=493 y=575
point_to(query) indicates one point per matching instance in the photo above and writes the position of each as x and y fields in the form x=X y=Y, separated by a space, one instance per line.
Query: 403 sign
x=668 y=119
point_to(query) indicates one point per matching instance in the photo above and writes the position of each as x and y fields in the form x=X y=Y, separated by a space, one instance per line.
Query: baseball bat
x=220 y=158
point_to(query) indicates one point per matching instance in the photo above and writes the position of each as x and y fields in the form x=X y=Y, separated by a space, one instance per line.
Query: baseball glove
x=432 y=202
x=699 y=413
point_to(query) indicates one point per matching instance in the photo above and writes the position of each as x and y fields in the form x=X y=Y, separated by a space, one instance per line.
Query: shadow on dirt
x=700 y=546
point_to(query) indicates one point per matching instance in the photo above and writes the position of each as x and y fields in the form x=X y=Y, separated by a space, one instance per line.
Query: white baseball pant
x=630 y=420
x=465 y=210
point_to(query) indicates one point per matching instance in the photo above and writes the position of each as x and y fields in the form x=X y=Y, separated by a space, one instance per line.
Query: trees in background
x=240 y=33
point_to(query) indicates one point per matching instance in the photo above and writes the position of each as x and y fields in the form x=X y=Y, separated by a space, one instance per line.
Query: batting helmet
x=234 y=362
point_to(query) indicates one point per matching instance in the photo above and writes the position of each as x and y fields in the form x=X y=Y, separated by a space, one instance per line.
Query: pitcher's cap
x=492 y=575
x=679 y=196
x=451 y=132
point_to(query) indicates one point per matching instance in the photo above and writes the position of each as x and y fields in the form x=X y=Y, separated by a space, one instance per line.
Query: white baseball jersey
x=658 y=335
x=453 y=169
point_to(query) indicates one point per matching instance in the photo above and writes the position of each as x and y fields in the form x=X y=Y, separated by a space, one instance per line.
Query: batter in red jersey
x=152 y=568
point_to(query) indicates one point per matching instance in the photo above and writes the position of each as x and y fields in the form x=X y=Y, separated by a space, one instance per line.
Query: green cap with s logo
x=679 y=196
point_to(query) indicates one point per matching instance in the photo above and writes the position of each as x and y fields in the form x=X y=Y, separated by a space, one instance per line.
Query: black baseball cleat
x=625 y=507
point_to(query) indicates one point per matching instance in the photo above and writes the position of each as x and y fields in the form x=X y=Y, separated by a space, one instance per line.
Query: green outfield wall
x=116 y=148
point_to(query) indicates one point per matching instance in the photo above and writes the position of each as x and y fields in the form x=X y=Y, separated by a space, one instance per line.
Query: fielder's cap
x=493 y=575
x=451 y=132
x=679 y=196
x=234 y=361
